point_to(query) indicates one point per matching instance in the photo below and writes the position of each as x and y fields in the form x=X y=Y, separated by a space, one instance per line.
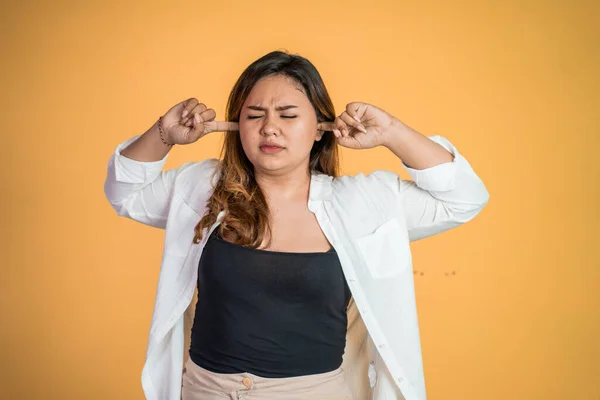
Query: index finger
x=222 y=126
x=326 y=126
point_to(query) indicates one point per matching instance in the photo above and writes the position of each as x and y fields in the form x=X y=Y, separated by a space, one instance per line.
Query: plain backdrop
x=509 y=304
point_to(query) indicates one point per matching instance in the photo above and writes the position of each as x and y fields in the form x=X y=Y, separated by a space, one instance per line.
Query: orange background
x=509 y=304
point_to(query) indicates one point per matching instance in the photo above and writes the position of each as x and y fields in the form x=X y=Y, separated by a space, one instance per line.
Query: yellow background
x=509 y=304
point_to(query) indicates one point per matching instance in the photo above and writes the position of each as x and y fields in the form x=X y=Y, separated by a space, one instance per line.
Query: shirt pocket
x=386 y=251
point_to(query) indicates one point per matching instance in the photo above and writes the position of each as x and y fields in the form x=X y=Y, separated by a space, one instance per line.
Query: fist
x=188 y=121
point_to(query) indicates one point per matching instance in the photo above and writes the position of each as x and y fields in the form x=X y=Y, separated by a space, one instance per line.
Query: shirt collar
x=320 y=187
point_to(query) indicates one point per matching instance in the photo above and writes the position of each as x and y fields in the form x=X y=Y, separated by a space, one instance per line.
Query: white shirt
x=368 y=219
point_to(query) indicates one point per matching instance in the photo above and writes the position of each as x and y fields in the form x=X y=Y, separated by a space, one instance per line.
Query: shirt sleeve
x=440 y=197
x=142 y=190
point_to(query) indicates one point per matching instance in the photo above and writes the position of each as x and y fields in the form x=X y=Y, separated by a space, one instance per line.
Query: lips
x=269 y=148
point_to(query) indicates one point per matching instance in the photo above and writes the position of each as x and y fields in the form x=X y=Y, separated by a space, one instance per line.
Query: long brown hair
x=246 y=220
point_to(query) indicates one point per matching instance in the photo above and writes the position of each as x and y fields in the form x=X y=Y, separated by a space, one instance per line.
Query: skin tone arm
x=147 y=147
x=364 y=126
x=414 y=149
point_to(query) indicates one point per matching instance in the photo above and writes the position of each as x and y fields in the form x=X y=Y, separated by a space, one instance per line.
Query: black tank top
x=273 y=314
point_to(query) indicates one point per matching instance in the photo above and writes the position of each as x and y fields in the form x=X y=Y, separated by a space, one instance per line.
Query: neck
x=288 y=186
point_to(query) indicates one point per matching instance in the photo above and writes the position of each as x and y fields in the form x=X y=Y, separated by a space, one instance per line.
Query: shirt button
x=382 y=345
x=400 y=379
x=247 y=382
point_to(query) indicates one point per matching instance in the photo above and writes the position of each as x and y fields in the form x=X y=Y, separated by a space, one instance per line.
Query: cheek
x=248 y=133
x=298 y=127
x=305 y=132
x=245 y=127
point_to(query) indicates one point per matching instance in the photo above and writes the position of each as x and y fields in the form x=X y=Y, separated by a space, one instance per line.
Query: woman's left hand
x=361 y=126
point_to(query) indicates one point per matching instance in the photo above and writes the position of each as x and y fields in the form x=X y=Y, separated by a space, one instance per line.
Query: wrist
x=162 y=134
x=396 y=131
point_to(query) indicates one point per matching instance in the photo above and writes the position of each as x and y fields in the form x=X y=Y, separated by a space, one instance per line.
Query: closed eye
x=283 y=116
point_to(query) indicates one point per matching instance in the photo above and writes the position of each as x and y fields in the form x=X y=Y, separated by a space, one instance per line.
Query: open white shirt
x=368 y=219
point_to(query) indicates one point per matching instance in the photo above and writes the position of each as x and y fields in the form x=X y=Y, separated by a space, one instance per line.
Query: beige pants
x=202 y=384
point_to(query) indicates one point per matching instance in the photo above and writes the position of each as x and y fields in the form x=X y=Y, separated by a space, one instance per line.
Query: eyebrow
x=280 y=108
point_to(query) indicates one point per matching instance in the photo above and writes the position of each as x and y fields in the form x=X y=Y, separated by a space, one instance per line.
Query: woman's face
x=277 y=111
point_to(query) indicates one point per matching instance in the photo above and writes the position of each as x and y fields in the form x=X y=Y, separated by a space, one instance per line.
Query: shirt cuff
x=131 y=171
x=441 y=177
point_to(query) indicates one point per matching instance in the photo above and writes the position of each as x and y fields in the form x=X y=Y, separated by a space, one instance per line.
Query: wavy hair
x=246 y=220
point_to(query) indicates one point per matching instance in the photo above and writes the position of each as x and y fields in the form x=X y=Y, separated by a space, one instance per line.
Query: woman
x=303 y=277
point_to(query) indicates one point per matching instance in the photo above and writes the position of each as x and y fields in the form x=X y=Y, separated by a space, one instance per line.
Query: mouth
x=270 y=148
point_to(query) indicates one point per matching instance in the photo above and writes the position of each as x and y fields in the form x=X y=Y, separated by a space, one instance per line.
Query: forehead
x=273 y=90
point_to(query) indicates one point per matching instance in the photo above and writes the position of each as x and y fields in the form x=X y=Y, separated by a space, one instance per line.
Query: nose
x=269 y=126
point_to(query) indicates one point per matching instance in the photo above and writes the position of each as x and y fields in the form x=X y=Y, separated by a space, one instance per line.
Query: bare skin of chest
x=295 y=229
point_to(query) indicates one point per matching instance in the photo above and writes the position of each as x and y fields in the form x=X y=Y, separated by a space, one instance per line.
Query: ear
x=319 y=136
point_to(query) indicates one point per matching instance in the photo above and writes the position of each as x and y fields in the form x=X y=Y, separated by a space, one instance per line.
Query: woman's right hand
x=189 y=120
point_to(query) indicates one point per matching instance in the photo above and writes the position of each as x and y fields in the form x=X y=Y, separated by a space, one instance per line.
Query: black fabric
x=273 y=314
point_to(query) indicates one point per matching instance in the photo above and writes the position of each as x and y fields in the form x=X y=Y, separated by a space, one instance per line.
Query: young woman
x=298 y=282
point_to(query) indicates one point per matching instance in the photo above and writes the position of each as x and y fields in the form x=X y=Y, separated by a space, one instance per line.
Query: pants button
x=247 y=382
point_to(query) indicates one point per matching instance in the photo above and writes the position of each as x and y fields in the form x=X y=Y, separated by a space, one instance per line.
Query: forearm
x=414 y=149
x=147 y=147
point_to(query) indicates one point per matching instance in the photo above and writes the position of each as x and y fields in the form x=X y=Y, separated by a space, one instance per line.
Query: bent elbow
x=463 y=213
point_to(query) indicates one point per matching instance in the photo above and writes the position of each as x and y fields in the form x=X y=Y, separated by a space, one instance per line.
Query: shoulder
x=367 y=200
x=196 y=179
x=197 y=172
x=372 y=193
x=377 y=183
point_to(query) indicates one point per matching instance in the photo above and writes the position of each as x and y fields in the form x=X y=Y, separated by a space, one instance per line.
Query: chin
x=265 y=162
